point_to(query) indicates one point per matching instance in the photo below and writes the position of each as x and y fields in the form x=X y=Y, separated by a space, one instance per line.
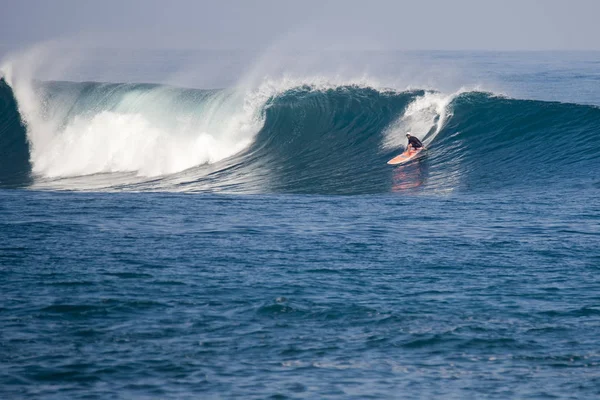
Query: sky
x=305 y=24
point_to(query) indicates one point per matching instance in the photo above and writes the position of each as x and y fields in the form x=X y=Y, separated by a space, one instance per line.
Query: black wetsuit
x=414 y=142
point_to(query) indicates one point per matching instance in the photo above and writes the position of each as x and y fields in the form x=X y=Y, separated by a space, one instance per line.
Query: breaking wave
x=285 y=137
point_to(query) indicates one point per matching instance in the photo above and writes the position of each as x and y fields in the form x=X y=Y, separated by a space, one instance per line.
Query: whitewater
x=172 y=229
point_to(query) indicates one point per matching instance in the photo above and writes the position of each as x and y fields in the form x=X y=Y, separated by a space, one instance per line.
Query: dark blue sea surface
x=158 y=241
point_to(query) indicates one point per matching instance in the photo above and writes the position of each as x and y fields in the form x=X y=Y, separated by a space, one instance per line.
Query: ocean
x=185 y=225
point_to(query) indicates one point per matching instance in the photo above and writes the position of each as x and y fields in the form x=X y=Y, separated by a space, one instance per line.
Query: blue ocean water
x=226 y=240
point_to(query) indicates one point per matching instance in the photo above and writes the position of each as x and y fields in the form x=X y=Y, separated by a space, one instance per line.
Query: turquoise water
x=135 y=263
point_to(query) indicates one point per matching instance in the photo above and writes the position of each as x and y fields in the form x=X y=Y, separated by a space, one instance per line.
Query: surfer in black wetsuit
x=413 y=142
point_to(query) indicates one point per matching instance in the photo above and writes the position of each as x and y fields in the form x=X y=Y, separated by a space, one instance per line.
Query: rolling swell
x=303 y=139
x=506 y=142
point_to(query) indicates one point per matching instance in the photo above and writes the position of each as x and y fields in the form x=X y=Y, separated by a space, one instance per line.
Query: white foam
x=114 y=141
x=149 y=132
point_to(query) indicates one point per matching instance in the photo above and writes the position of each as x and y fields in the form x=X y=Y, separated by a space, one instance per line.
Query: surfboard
x=405 y=157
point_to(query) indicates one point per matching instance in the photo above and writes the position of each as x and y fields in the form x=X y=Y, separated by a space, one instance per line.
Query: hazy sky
x=307 y=24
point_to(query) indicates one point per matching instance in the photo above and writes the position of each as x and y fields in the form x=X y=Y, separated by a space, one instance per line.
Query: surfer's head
x=407 y=134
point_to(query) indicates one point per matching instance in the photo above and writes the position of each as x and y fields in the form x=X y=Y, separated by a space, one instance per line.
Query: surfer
x=413 y=142
x=414 y=148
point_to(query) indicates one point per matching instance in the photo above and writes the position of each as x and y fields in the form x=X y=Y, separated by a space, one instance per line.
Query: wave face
x=14 y=151
x=292 y=138
x=506 y=142
x=328 y=141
